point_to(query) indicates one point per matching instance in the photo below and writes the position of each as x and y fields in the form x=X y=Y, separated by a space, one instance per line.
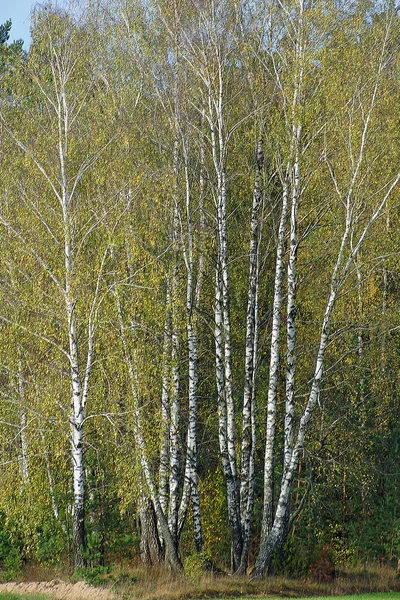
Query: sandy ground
x=59 y=589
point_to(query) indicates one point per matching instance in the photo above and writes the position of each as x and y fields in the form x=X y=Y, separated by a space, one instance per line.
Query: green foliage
x=10 y=553
x=50 y=544
x=295 y=559
x=120 y=87
x=103 y=575
x=99 y=575
x=5 y=30
x=197 y=564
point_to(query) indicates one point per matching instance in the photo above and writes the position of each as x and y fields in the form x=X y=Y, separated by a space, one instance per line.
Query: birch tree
x=58 y=63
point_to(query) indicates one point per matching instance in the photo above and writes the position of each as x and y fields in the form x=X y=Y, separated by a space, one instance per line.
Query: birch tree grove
x=350 y=243
x=199 y=286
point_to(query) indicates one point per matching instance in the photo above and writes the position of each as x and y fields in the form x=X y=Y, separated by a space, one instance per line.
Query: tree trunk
x=248 y=412
x=165 y=409
x=175 y=408
x=23 y=425
x=150 y=546
x=291 y=306
x=268 y=505
x=190 y=486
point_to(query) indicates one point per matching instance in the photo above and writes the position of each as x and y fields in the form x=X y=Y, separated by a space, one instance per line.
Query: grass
x=132 y=582
x=370 y=596
x=375 y=596
x=154 y=584
x=11 y=596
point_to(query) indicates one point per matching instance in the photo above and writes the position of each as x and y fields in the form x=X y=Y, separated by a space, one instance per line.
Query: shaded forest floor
x=156 y=584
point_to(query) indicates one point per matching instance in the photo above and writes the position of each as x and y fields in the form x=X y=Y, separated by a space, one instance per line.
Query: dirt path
x=59 y=589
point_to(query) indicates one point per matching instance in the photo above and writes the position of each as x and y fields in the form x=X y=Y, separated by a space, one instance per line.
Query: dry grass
x=138 y=583
x=33 y=572
x=156 y=584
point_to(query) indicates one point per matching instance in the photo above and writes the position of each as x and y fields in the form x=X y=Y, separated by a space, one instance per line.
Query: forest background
x=200 y=285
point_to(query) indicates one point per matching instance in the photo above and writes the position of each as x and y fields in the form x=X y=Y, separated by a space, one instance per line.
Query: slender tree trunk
x=268 y=509
x=291 y=307
x=272 y=541
x=175 y=408
x=248 y=413
x=190 y=486
x=23 y=425
x=54 y=504
x=77 y=414
x=231 y=488
x=77 y=463
x=79 y=387
x=165 y=409
x=291 y=187
x=223 y=336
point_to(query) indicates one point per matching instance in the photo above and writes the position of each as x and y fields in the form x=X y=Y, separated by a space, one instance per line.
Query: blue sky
x=18 y=11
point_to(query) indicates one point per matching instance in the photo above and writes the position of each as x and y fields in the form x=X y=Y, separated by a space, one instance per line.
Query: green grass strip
x=373 y=596
x=369 y=596
x=12 y=596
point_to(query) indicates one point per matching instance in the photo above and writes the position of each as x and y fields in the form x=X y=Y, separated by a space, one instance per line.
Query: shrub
x=198 y=563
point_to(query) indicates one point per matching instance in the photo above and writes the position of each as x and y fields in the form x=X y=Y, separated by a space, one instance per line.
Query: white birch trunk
x=23 y=425
x=62 y=181
x=79 y=387
x=174 y=453
x=190 y=486
x=291 y=307
x=77 y=413
x=226 y=319
x=223 y=337
x=231 y=484
x=248 y=411
x=291 y=186
x=270 y=542
x=76 y=423
x=273 y=374
x=165 y=409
